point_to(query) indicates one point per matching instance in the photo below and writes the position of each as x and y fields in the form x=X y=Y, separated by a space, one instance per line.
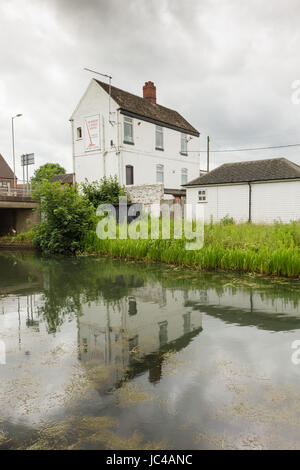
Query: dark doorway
x=7 y=221
x=129 y=174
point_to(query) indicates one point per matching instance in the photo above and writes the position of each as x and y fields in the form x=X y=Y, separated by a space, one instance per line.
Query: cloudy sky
x=228 y=66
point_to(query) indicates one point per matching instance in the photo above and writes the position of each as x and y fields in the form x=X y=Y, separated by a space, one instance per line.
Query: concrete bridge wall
x=20 y=214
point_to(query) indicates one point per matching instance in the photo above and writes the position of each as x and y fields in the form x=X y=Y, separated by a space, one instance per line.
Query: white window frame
x=202 y=196
x=159 y=131
x=183 y=144
x=184 y=175
x=160 y=171
x=129 y=122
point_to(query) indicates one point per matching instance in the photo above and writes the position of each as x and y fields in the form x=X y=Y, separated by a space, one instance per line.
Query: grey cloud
x=227 y=66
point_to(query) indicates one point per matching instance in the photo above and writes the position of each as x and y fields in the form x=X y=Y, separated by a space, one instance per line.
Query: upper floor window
x=183 y=150
x=159 y=173
x=128 y=130
x=184 y=176
x=159 y=138
x=79 y=132
x=202 y=195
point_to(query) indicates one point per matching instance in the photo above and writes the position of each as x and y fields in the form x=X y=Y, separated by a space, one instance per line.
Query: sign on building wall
x=92 y=133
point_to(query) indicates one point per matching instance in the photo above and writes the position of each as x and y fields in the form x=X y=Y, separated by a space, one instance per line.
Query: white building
x=140 y=141
x=150 y=321
x=261 y=191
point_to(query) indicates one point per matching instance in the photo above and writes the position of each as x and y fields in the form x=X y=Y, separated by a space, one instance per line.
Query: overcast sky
x=226 y=66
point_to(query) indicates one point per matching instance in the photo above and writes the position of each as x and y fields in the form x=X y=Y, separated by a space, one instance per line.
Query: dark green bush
x=66 y=219
x=105 y=191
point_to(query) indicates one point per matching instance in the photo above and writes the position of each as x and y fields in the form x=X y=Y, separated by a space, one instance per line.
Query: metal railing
x=21 y=190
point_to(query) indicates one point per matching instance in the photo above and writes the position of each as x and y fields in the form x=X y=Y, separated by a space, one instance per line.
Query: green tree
x=105 y=191
x=46 y=173
x=66 y=218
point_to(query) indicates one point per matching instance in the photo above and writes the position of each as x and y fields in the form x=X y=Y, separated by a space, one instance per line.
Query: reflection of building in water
x=247 y=307
x=136 y=330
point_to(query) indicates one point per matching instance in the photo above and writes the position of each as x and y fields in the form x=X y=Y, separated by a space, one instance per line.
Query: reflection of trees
x=66 y=283
x=16 y=272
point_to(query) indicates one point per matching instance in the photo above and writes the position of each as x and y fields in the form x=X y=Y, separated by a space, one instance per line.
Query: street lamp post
x=13 y=145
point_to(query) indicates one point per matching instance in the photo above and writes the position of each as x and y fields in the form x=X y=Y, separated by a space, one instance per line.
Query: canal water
x=105 y=354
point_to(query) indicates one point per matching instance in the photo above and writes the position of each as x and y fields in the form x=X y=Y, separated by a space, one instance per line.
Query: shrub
x=227 y=220
x=105 y=191
x=66 y=218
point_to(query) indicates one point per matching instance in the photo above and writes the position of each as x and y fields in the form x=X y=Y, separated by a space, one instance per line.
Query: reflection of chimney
x=149 y=92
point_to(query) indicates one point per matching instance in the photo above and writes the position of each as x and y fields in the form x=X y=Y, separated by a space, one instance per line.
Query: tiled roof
x=145 y=109
x=5 y=170
x=67 y=178
x=257 y=170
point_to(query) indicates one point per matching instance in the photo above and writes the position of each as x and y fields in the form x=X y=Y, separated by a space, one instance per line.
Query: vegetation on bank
x=265 y=249
x=66 y=217
x=68 y=214
x=69 y=222
x=105 y=191
x=22 y=238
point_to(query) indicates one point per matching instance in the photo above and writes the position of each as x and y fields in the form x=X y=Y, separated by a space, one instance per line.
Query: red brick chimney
x=149 y=92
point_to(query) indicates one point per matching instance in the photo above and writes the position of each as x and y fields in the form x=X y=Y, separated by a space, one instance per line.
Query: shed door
x=129 y=174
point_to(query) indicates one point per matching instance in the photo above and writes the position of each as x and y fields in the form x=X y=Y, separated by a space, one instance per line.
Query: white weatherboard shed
x=141 y=142
x=261 y=191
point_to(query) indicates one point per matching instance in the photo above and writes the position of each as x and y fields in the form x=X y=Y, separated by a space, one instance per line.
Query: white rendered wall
x=276 y=201
x=107 y=161
x=270 y=201
x=222 y=201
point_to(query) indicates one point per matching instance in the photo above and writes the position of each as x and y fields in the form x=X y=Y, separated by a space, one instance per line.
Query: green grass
x=23 y=237
x=265 y=249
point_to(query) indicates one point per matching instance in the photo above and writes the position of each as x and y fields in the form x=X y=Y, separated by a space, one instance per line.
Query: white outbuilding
x=261 y=191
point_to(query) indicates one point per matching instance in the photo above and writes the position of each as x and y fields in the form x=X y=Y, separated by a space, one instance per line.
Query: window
x=186 y=323
x=183 y=150
x=159 y=138
x=128 y=130
x=163 y=333
x=202 y=195
x=132 y=308
x=3 y=184
x=79 y=133
x=159 y=173
x=129 y=174
x=184 y=176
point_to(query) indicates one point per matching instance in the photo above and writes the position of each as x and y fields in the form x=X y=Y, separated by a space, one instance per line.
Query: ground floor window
x=202 y=195
x=159 y=173
x=184 y=176
x=129 y=174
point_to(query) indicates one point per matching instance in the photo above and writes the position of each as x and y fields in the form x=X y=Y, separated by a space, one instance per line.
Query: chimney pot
x=149 y=92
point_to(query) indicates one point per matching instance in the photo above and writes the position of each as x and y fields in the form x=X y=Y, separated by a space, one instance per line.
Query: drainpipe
x=73 y=150
x=118 y=149
x=250 y=201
